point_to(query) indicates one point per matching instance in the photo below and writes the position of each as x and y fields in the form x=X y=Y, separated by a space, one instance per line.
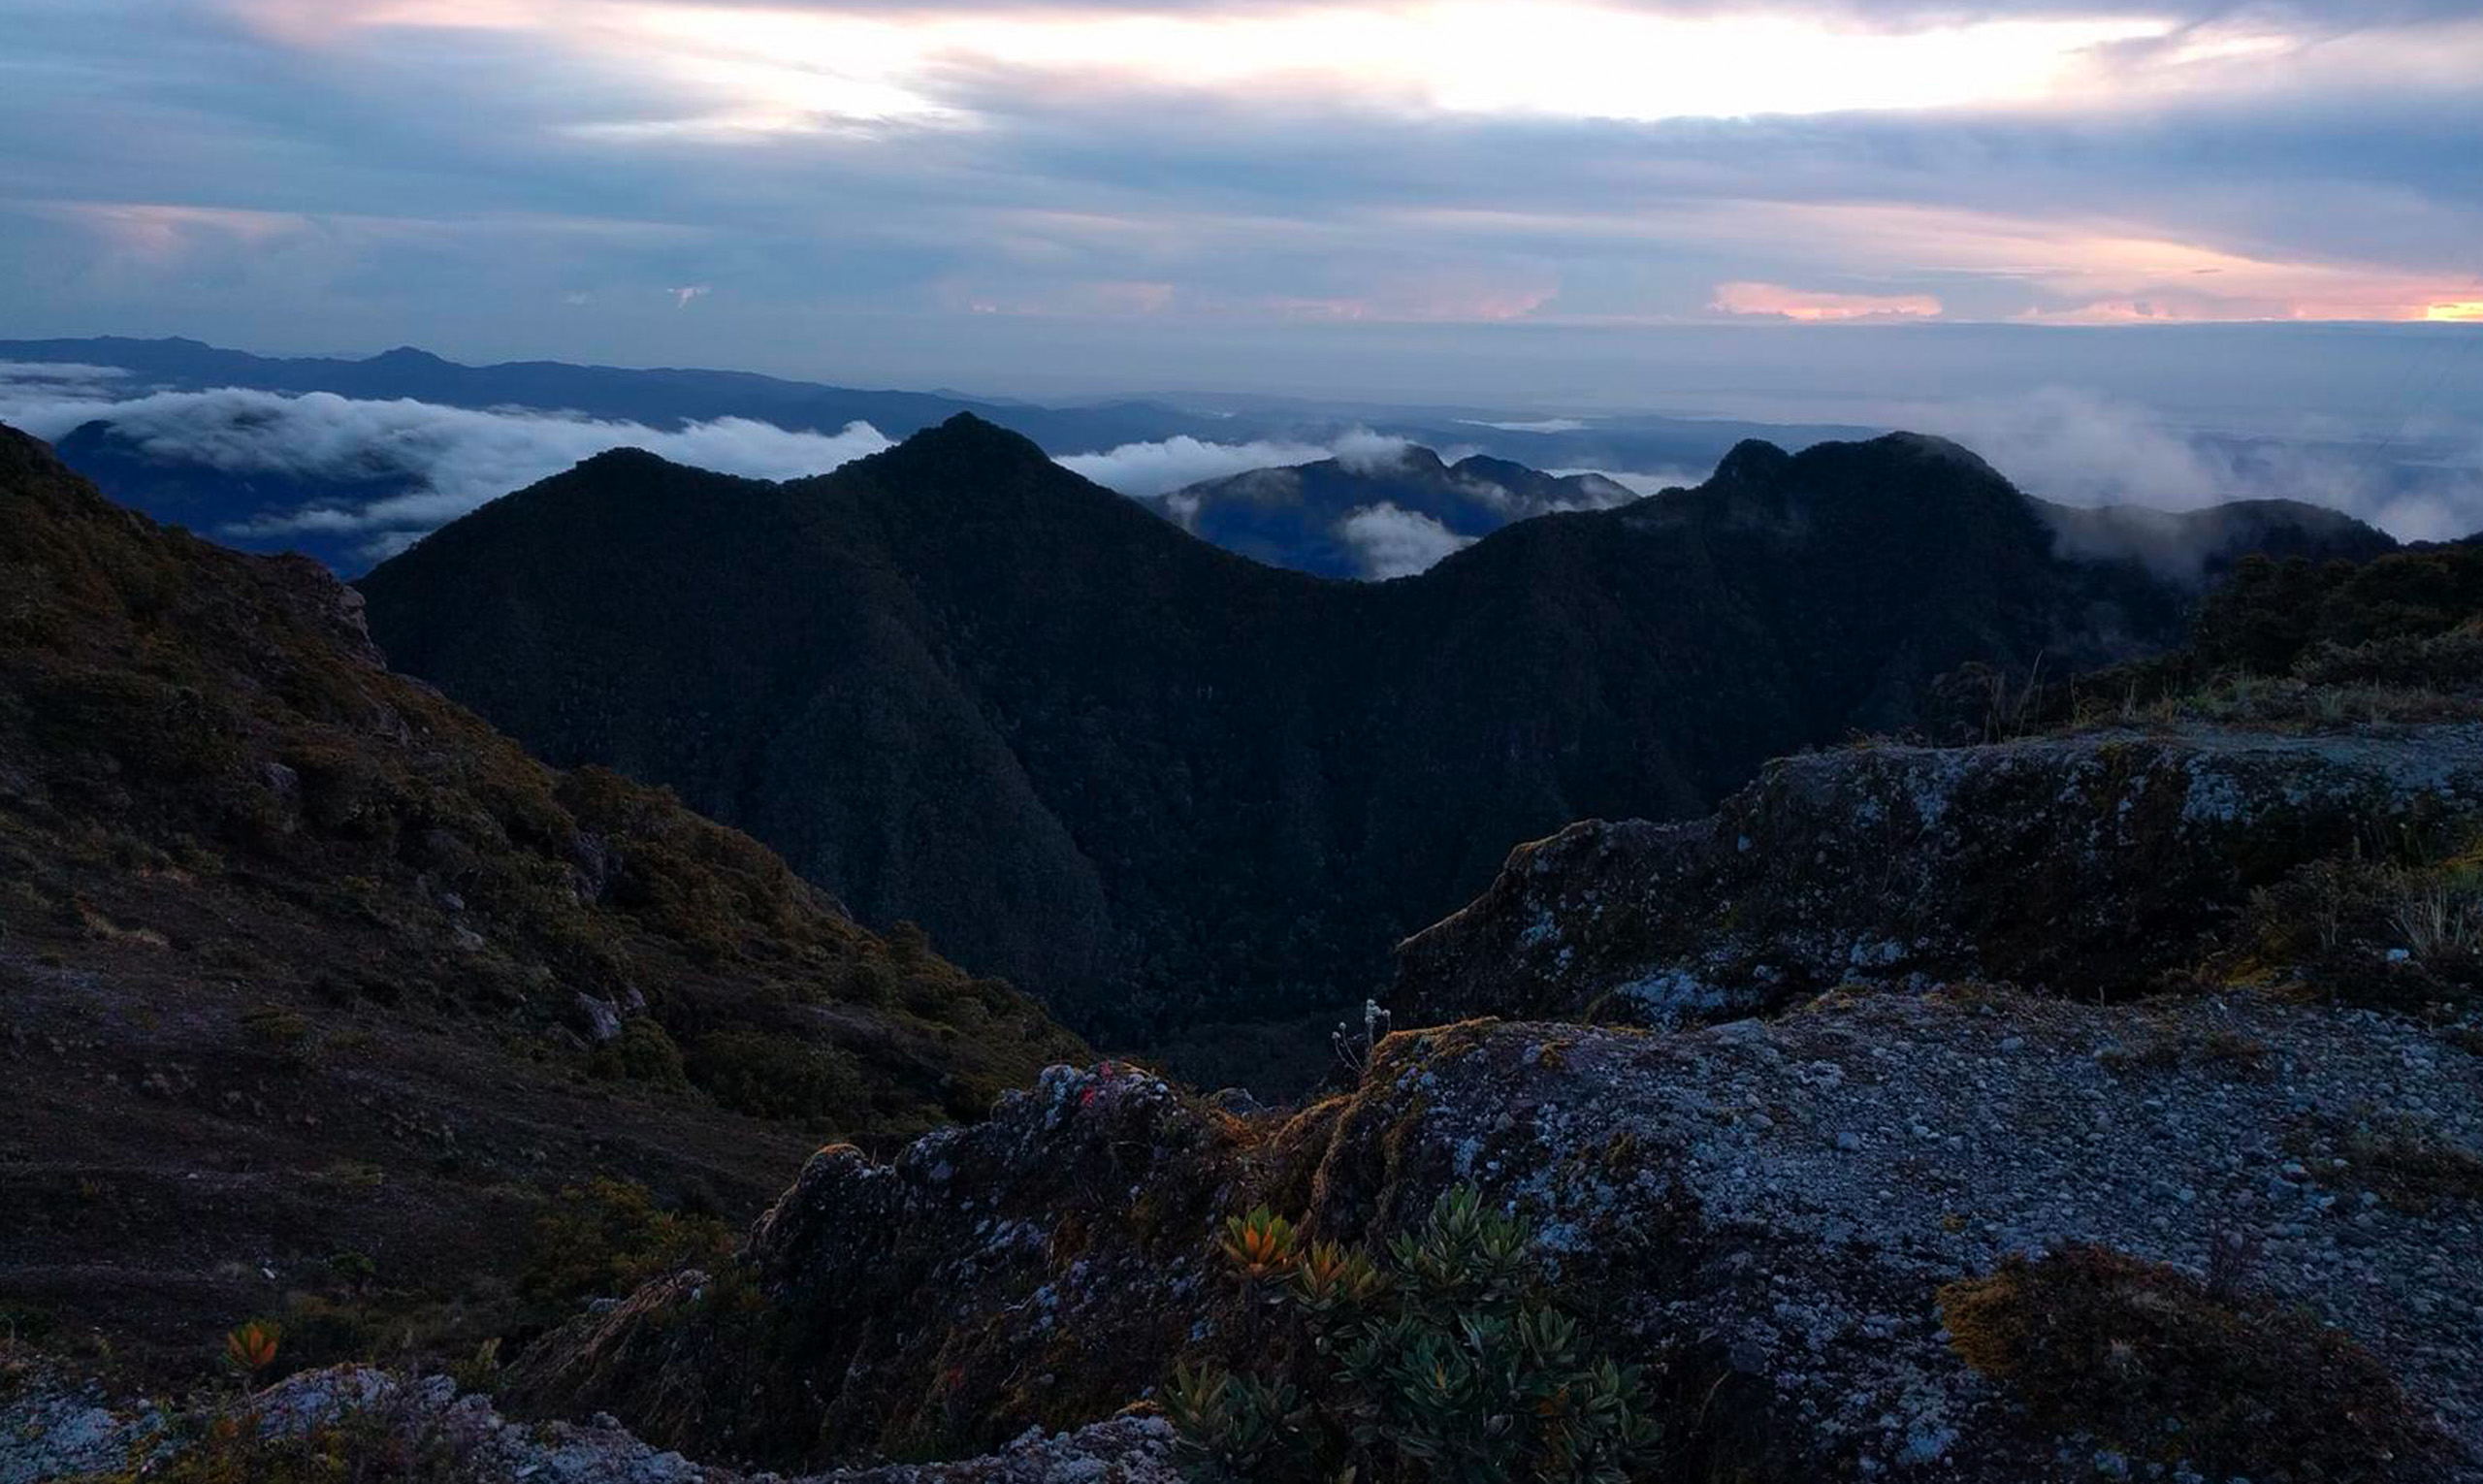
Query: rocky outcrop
x=1041 y=1268
x=2088 y=865
x=361 y=1416
x=1764 y=1209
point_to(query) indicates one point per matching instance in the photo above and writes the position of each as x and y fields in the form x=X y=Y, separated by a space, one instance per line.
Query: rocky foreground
x=1767 y=1209
x=61 y=1431
x=1770 y=1207
x=1811 y=1226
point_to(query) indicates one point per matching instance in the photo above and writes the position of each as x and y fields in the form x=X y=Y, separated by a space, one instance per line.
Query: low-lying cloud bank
x=2080 y=448
x=419 y=464
x=1151 y=470
x=1389 y=541
x=441 y=462
x=1638 y=485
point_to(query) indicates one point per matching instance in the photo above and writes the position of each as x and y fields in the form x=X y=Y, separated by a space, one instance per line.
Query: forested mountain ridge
x=1159 y=784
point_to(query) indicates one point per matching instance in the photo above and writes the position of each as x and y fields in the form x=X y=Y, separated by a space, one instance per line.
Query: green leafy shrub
x=605 y=1238
x=774 y=1075
x=2166 y=1372
x=277 y=1029
x=1453 y=1360
x=643 y=1052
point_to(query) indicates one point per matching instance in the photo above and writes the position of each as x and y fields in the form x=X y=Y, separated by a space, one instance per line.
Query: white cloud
x=47 y=399
x=1547 y=425
x=1149 y=470
x=455 y=458
x=2080 y=448
x=1638 y=484
x=1366 y=452
x=1394 y=542
x=29 y=374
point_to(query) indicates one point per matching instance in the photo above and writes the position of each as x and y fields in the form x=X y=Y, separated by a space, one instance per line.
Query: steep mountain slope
x=301 y=963
x=1162 y=785
x=1383 y=515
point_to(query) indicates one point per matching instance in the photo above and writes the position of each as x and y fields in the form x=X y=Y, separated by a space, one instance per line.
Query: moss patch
x=2148 y=1359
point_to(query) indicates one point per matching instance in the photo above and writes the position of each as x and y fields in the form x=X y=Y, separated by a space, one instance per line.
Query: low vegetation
x=1450 y=1358
x=2165 y=1370
x=2295 y=643
x=604 y=1238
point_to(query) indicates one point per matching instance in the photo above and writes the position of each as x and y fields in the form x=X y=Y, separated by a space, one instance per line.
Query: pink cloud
x=1782 y=302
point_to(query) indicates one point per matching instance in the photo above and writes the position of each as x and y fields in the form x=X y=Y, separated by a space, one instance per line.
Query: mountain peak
x=406 y=356
x=627 y=459
x=1754 y=461
x=1932 y=446
x=965 y=438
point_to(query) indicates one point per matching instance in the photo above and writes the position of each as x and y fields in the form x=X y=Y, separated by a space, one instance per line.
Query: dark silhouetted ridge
x=954 y=684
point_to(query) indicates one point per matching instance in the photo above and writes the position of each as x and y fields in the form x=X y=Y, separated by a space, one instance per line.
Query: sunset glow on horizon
x=571 y=164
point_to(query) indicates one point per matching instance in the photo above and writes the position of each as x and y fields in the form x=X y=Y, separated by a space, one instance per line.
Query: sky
x=1708 y=206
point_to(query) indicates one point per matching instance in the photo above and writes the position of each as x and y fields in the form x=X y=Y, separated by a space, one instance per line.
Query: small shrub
x=774 y=1075
x=607 y=1238
x=277 y=1029
x=251 y=1348
x=643 y=1052
x=2439 y=918
x=393 y=1442
x=2148 y=1359
x=2405 y=1165
x=1453 y=1360
x=354 y=1271
x=869 y=981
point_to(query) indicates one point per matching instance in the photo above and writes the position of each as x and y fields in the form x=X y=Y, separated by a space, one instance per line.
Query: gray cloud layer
x=192 y=165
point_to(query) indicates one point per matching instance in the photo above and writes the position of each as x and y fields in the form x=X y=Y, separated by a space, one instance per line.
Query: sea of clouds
x=1150 y=470
x=2080 y=448
x=448 y=459
x=441 y=462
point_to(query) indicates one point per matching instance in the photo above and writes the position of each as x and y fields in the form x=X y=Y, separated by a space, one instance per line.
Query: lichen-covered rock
x=358 y=1422
x=1765 y=1210
x=1037 y=1269
x=2084 y=866
x=1774 y=1204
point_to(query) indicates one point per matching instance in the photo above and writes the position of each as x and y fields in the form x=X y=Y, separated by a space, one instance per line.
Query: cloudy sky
x=1523 y=202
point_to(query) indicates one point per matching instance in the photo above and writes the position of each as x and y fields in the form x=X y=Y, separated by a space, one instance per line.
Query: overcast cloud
x=1126 y=196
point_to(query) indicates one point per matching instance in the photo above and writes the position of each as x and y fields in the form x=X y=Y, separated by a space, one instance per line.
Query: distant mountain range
x=424 y=438
x=1163 y=785
x=1389 y=513
x=659 y=398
